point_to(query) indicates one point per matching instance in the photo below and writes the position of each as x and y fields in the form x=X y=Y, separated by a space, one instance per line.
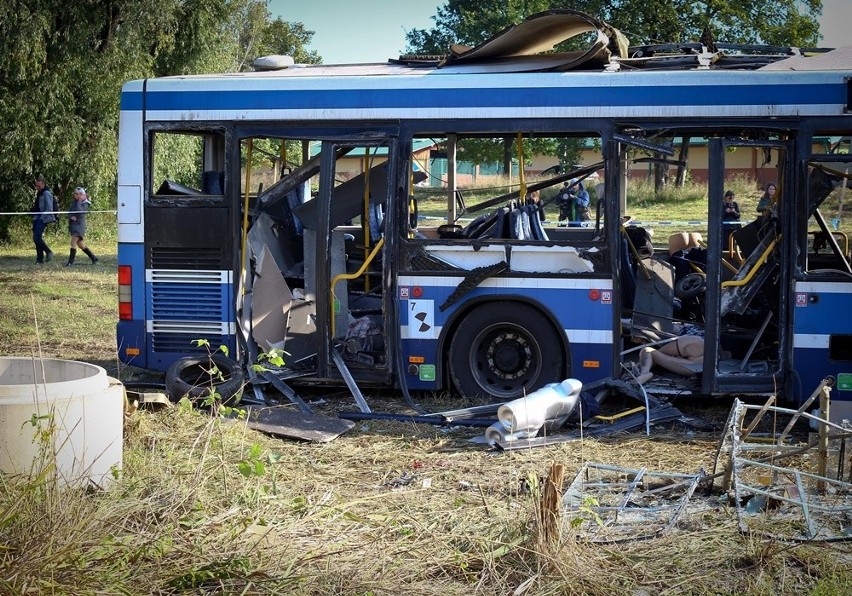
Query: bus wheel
x=505 y=350
x=191 y=377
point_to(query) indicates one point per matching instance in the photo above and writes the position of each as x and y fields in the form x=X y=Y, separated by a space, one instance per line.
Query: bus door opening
x=317 y=246
x=745 y=304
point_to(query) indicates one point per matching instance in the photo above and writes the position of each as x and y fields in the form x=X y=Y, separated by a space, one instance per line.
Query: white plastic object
x=64 y=412
x=551 y=405
x=273 y=62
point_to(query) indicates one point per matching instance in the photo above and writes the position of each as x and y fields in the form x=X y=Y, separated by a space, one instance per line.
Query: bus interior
x=314 y=268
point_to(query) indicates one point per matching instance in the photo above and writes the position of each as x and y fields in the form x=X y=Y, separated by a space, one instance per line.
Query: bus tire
x=505 y=350
x=691 y=286
x=189 y=377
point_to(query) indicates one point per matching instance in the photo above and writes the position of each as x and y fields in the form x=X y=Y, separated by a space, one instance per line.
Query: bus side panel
x=189 y=289
x=130 y=334
x=822 y=338
x=582 y=307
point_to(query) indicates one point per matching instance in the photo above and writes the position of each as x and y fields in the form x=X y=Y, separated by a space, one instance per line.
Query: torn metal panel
x=838 y=59
x=287 y=250
x=270 y=300
x=469 y=256
x=615 y=504
x=794 y=501
x=350 y=381
x=285 y=390
x=542 y=32
x=348 y=198
x=551 y=259
x=283 y=422
x=523 y=258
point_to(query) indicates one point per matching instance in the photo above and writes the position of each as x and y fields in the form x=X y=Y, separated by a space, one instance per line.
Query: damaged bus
x=330 y=260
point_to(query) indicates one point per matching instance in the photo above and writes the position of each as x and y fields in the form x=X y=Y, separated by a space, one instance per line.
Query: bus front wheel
x=505 y=350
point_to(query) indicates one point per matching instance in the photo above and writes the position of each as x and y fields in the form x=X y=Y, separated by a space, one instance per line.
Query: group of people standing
x=43 y=213
x=572 y=199
x=731 y=211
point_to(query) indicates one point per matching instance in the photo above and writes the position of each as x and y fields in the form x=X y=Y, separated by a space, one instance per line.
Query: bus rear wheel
x=504 y=350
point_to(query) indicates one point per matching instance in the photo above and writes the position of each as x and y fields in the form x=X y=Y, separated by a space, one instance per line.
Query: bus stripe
x=768 y=97
x=575 y=336
x=542 y=283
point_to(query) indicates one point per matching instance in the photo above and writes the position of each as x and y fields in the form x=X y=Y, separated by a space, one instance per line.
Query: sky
x=351 y=31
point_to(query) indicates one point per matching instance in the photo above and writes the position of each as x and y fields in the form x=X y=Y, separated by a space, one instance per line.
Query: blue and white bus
x=329 y=260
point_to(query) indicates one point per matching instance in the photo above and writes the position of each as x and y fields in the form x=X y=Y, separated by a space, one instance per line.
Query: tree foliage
x=775 y=22
x=62 y=65
x=471 y=22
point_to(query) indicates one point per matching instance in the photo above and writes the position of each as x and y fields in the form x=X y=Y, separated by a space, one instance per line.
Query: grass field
x=206 y=506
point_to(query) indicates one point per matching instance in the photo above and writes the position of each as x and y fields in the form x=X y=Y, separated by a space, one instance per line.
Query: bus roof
x=817 y=86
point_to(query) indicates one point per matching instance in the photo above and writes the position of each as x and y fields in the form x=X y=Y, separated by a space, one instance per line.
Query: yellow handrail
x=357 y=274
x=753 y=270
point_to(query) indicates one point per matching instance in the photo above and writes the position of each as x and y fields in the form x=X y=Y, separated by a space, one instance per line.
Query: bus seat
x=759 y=266
x=213 y=182
x=683 y=240
x=537 y=230
x=172 y=188
x=492 y=225
x=377 y=220
x=479 y=225
x=500 y=224
x=519 y=224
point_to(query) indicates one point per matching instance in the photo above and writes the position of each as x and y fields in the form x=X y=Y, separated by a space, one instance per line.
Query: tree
x=62 y=65
x=774 y=22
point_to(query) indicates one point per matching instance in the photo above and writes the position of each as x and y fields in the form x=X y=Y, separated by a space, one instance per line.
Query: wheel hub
x=508 y=355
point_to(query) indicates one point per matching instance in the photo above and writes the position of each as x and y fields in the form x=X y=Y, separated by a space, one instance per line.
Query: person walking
x=77 y=225
x=42 y=215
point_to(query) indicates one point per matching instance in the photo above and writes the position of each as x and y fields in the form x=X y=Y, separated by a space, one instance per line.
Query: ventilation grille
x=184 y=344
x=188 y=302
x=187 y=258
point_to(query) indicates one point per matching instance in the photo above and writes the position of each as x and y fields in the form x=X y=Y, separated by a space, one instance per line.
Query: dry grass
x=343 y=517
x=338 y=518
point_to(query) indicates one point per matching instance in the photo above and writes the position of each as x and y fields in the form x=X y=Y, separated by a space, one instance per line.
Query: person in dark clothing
x=77 y=225
x=573 y=200
x=42 y=215
x=730 y=218
x=767 y=201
